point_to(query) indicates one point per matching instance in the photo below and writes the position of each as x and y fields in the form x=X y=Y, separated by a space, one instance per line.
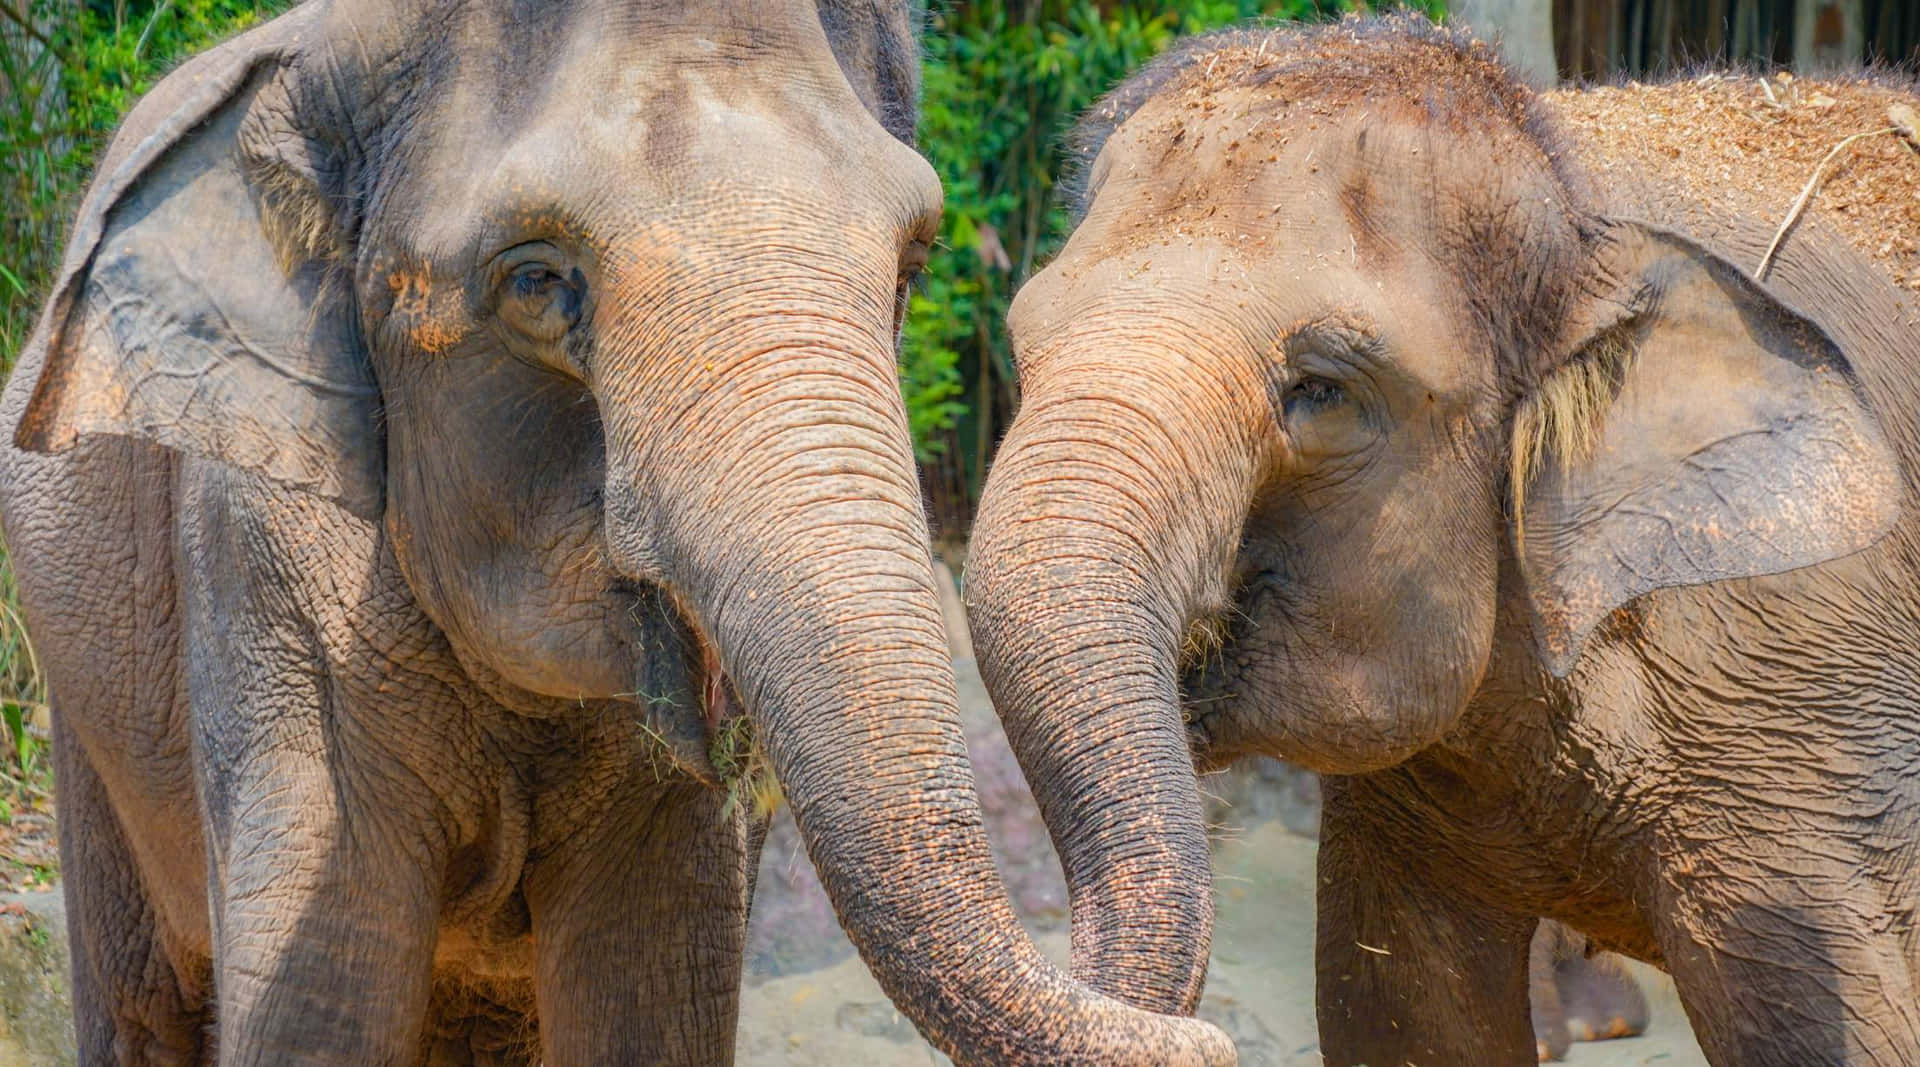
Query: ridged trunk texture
x=796 y=538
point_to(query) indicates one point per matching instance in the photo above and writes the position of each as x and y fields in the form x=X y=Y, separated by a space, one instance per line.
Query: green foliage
x=22 y=699
x=1004 y=82
x=69 y=71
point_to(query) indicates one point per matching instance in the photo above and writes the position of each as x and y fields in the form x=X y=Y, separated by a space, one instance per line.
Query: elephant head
x=1337 y=380
x=593 y=306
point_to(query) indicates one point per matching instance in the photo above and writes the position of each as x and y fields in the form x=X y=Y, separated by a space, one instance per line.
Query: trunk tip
x=1211 y=1045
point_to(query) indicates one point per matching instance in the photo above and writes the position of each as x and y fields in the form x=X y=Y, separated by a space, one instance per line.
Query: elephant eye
x=1309 y=395
x=541 y=302
x=913 y=263
x=531 y=281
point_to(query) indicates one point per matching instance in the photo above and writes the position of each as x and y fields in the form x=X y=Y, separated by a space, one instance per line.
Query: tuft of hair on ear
x=295 y=218
x=1561 y=419
x=291 y=172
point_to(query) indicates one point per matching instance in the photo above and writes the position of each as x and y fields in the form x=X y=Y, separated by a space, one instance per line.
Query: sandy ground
x=1260 y=986
x=810 y=1003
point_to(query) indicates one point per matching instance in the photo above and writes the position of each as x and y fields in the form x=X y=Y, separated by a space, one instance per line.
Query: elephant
x=459 y=463
x=1363 y=426
x=1576 y=993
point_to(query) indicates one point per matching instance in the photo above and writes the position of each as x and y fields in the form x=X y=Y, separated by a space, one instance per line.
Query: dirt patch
x=1748 y=146
x=809 y=1002
x=1259 y=984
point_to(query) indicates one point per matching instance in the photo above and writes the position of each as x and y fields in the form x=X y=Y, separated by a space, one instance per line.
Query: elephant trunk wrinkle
x=817 y=595
x=1102 y=535
x=853 y=694
x=1092 y=712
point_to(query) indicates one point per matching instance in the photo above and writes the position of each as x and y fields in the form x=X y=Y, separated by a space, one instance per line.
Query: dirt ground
x=810 y=1003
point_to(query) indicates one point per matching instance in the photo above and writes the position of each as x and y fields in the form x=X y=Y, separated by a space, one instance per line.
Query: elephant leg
x=324 y=934
x=1408 y=972
x=131 y=1004
x=1551 y=1035
x=640 y=928
x=1807 y=974
x=322 y=768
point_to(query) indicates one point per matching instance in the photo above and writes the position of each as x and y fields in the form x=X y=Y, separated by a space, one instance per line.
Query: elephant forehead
x=589 y=106
x=1223 y=304
x=1368 y=179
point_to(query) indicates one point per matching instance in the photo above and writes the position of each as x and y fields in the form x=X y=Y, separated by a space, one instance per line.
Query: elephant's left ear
x=1697 y=430
x=202 y=305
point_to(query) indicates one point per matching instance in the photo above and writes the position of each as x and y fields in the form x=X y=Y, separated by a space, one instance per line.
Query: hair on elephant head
x=593 y=307
x=1340 y=368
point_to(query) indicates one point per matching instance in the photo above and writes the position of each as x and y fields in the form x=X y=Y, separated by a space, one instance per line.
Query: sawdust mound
x=1748 y=145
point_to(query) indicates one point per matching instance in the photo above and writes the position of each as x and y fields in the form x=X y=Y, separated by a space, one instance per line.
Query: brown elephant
x=458 y=430
x=1361 y=427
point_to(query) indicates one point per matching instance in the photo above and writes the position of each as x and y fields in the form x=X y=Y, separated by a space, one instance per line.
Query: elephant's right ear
x=202 y=304
x=1699 y=431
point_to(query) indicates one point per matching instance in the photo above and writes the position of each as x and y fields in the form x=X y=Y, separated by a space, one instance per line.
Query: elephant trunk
x=798 y=543
x=1100 y=539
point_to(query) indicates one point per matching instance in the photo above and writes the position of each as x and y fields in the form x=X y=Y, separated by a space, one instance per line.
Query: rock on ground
x=36 y=1014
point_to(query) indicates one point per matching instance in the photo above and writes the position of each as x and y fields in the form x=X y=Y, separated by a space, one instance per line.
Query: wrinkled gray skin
x=452 y=420
x=1260 y=498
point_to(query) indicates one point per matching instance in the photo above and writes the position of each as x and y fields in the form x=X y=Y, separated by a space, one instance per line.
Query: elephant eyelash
x=1313 y=394
x=903 y=297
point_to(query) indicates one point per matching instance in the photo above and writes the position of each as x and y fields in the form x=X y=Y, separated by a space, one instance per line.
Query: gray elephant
x=461 y=452
x=1363 y=428
x=1577 y=993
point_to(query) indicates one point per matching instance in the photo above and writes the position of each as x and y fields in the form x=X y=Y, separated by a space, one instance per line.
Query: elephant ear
x=202 y=305
x=1698 y=430
x=877 y=44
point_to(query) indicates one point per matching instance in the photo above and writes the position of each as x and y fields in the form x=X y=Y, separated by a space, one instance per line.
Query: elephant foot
x=1577 y=996
x=1600 y=998
x=1550 y=1037
x=1582 y=1030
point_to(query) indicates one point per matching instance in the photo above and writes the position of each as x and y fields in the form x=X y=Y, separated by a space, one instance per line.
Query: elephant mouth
x=1211 y=702
x=687 y=703
x=719 y=704
x=1207 y=753
x=1205 y=698
x=735 y=760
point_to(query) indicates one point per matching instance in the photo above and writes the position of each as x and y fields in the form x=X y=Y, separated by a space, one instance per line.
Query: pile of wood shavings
x=1749 y=146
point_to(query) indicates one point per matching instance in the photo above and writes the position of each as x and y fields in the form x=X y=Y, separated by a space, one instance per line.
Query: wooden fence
x=1601 y=39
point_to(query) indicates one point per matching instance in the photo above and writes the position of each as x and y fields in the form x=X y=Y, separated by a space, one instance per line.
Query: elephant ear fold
x=1695 y=430
x=202 y=305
